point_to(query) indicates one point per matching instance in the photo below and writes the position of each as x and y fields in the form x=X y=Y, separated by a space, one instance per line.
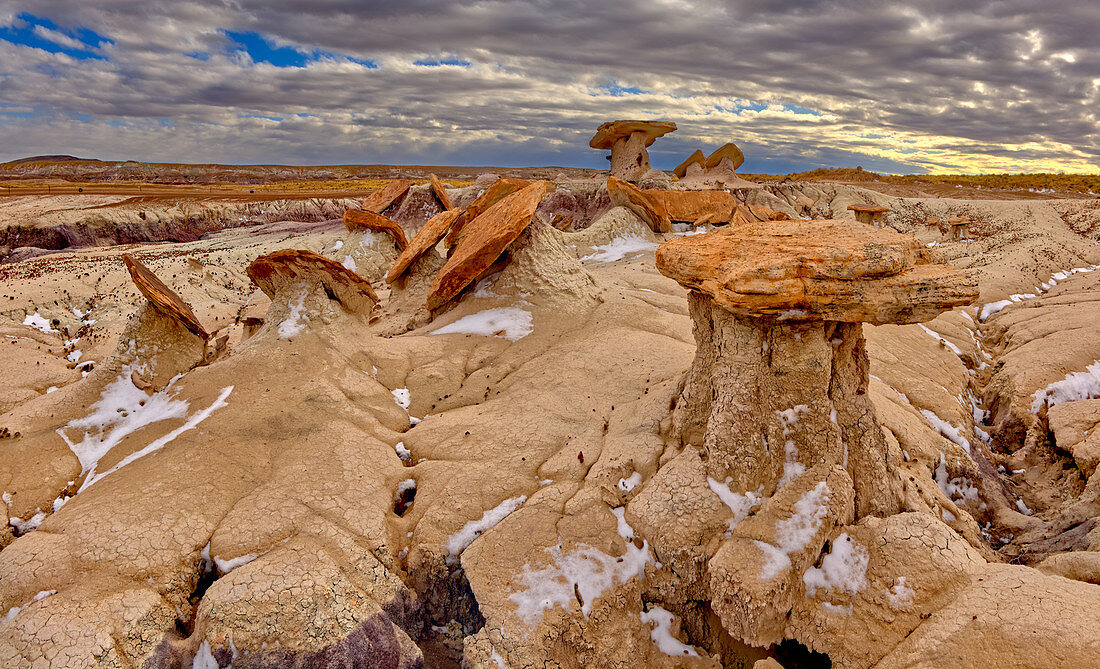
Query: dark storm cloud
x=999 y=84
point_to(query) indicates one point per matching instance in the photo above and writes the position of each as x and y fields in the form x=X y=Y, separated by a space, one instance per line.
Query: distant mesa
x=52 y=158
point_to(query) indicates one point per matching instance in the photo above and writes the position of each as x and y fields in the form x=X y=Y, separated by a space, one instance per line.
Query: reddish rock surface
x=163 y=298
x=688 y=206
x=484 y=239
x=427 y=237
x=728 y=150
x=293 y=265
x=624 y=194
x=387 y=196
x=356 y=219
x=499 y=189
x=440 y=192
x=697 y=158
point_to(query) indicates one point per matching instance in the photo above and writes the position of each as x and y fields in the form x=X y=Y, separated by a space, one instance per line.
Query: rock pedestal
x=779 y=381
x=628 y=141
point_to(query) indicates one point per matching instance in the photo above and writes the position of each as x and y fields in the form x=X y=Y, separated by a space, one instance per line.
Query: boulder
x=727 y=151
x=483 y=240
x=651 y=211
x=696 y=158
x=362 y=219
x=687 y=206
x=289 y=267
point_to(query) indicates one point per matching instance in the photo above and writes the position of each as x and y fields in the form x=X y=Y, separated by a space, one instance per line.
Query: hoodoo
x=628 y=141
x=779 y=381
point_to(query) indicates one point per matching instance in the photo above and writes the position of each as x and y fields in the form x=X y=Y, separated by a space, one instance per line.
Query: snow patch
x=946 y=429
x=1076 y=386
x=620 y=247
x=661 y=633
x=739 y=503
x=38 y=323
x=792 y=534
x=460 y=540
x=297 y=320
x=225 y=566
x=629 y=483
x=843 y=569
x=900 y=595
x=512 y=323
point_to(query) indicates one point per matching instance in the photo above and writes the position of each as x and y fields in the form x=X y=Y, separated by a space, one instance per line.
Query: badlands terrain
x=544 y=418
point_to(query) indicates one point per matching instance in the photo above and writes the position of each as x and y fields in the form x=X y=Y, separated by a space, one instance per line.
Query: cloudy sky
x=917 y=86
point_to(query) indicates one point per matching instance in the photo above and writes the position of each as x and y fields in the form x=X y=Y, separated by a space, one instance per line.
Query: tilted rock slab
x=163 y=298
x=498 y=190
x=387 y=196
x=440 y=192
x=423 y=241
x=650 y=210
x=484 y=239
x=355 y=219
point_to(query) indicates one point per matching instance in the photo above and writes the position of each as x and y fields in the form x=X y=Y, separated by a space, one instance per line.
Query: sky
x=937 y=86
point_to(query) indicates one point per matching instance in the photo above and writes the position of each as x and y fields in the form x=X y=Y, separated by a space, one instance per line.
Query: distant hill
x=51 y=159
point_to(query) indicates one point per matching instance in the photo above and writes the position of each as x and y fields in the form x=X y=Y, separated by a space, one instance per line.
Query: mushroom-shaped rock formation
x=779 y=381
x=387 y=196
x=362 y=219
x=697 y=158
x=496 y=191
x=290 y=267
x=423 y=241
x=627 y=141
x=440 y=192
x=484 y=239
x=162 y=297
x=727 y=151
x=869 y=214
x=958 y=226
x=624 y=194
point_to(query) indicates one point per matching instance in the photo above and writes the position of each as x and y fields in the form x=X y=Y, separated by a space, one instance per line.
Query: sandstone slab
x=163 y=298
x=624 y=194
x=363 y=219
x=494 y=193
x=440 y=192
x=387 y=196
x=424 y=239
x=275 y=270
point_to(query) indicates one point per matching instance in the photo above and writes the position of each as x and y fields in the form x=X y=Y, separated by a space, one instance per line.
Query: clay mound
x=387 y=196
x=275 y=270
x=484 y=239
x=163 y=298
x=817 y=270
x=426 y=238
x=355 y=219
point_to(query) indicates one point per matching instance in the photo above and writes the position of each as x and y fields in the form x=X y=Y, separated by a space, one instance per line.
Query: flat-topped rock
x=817 y=271
x=289 y=267
x=624 y=194
x=496 y=191
x=868 y=208
x=362 y=219
x=613 y=131
x=425 y=238
x=728 y=151
x=484 y=239
x=166 y=300
x=387 y=196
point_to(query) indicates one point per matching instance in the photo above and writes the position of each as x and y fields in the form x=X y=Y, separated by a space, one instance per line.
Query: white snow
x=739 y=503
x=227 y=565
x=958 y=489
x=402 y=397
x=585 y=570
x=297 y=320
x=992 y=308
x=74 y=355
x=512 y=323
x=843 y=569
x=204 y=658
x=16 y=610
x=475 y=528
x=792 y=534
x=349 y=263
x=1076 y=386
x=792 y=468
x=1023 y=507
x=792 y=313
x=6 y=497
x=38 y=323
x=29 y=525
x=337 y=246
x=495 y=658
x=661 y=633
x=954 y=349
x=620 y=247
x=402 y=452
x=900 y=595
x=946 y=429
x=629 y=483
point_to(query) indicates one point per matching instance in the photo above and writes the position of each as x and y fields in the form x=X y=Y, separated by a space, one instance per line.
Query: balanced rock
x=483 y=241
x=387 y=196
x=290 y=267
x=496 y=191
x=424 y=239
x=727 y=151
x=363 y=219
x=162 y=297
x=868 y=214
x=647 y=208
x=697 y=158
x=779 y=381
x=627 y=141
x=440 y=192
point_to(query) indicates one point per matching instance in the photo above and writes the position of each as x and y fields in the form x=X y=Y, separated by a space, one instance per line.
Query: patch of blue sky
x=41 y=33
x=617 y=90
x=263 y=50
x=264 y=116
x=439 y=62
